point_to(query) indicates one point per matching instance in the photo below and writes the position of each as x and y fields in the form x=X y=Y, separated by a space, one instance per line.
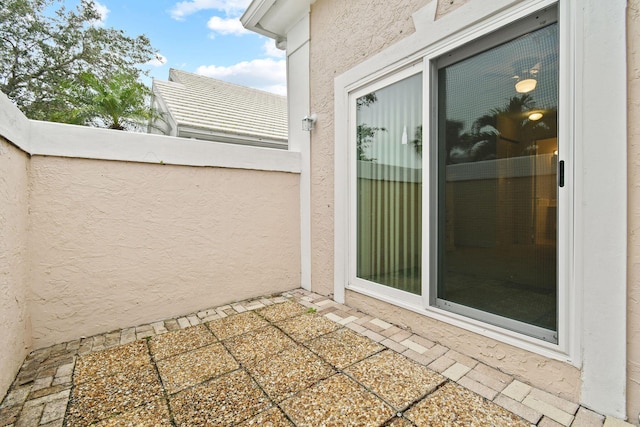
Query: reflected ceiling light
x=535 y=116
x=526 y=85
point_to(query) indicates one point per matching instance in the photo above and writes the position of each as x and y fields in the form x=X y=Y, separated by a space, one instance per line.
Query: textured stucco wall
x=118 y=244
x=15 y=329
x=339 y=41
x=633 y=297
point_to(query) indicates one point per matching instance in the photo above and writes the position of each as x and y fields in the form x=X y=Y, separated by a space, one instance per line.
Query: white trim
x=601 y=223
x=593 y=41
x=14 y=126
x=56 y=139
x=299 y=140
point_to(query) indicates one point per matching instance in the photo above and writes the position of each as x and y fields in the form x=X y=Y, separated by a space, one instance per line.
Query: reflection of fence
x=501 y=202
x=541 y=164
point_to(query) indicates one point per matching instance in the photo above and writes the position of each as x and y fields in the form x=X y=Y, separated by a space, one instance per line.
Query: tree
x=45 y=59
x=119 y=102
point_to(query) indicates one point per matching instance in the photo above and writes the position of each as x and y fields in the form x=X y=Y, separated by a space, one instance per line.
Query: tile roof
x=213 y=105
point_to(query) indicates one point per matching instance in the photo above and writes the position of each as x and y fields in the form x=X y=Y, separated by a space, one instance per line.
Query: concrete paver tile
x=289 y=372
x=343 y=347
x=373 y=335
x=517 y=390
x=105 y=363
x=452 y=404
x=30 y=417
x=476 y=387
x=560 y=403
x=180 y=341
x=587 y=418
x=227 y=400
x=237 y=324
x=395 y=378
x=151 y=414
x=456 y=371
x=273 y=417
x=258 y=344
x=490 y=377
x=441 y=364
x=53 y=411
x=92 y=401
x=461 y=358
x=276 y=312
x=395 y=346
x=409 y=343
x=339 y=399
x=548 y=422
x=307 y=326
x=548 y=409
x=518 y=408
x=191 y=368
x=615 y=422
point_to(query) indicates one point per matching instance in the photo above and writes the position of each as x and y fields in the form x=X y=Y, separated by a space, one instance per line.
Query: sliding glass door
x=496 y=183
x=490 y=217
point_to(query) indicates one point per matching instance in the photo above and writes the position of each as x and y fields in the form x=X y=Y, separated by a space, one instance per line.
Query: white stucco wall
x=15 y=335
x=116 y=244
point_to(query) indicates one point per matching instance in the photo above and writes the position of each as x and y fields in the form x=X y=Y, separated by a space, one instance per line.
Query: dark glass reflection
x=497 y=198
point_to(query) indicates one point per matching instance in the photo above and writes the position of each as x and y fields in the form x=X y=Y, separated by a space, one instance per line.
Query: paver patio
x=297 y=359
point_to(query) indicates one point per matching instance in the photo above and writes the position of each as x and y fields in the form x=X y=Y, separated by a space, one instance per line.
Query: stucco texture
x=339 y=42
x=15 y=338
x=117 y=244
x=633 y=298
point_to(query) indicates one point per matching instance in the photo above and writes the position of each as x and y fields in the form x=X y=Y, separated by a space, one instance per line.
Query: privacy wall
x=15 y=339
x=116 y=244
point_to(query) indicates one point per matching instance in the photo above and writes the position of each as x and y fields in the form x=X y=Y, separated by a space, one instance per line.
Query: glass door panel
x=389 y=185
x=496 y=184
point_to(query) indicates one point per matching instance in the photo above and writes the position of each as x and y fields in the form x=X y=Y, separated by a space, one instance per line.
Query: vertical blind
x=389 y=185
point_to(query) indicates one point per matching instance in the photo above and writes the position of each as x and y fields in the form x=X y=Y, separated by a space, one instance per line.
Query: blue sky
x=199 y=36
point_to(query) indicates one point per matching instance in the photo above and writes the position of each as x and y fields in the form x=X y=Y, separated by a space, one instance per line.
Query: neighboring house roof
x=206 y=108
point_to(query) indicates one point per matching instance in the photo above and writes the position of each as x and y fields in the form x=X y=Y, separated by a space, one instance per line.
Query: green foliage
x=118 y=102
x=45 y=59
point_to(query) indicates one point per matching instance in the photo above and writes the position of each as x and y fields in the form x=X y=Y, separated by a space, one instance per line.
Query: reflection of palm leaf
x=417 y=142
x=365 y=136
x=481 y=142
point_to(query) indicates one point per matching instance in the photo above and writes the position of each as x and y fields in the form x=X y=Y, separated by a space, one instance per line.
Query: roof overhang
x=274 y=18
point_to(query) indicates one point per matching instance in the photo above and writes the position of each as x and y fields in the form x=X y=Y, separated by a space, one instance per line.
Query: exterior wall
x=116 y=244
x=633 y=297
x=15 y=339
x=337 y=44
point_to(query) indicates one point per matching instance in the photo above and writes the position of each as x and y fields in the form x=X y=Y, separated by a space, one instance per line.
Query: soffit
x=274 y=18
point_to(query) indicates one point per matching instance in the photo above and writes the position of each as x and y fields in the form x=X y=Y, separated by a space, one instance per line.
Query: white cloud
x=270 y=49
x=265 y=74
x=231 y=7
x=103 y=11
x=226 y=26
x=158 y=61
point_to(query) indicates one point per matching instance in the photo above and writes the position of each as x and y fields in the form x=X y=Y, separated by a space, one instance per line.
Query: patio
x=296 y=358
